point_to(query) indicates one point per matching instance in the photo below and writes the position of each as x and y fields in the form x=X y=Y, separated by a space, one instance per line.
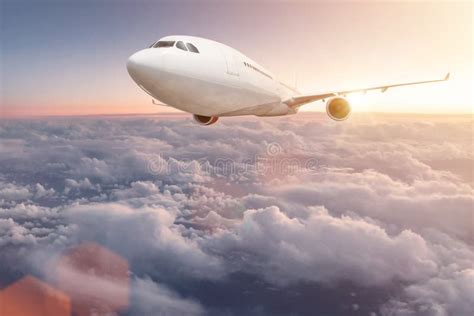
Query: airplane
x=212 y=80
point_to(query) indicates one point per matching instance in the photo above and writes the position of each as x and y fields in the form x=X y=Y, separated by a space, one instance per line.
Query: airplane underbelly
x=205 y=97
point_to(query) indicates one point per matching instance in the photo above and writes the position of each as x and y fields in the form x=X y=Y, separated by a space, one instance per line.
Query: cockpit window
x=192 y=48
x=161 y=44
x=181 y=45
x=152 y=45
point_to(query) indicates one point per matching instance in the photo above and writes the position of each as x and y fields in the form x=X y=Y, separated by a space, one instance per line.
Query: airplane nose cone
x=144 y=65
x=135 y=64
x=145 y=69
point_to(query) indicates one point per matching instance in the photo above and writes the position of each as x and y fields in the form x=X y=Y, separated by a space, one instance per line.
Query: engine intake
x=205 y=120
x=338 y=109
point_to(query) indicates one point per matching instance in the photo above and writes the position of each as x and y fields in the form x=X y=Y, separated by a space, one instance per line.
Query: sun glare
x=357 y=99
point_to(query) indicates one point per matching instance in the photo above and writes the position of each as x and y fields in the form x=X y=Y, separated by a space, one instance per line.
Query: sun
x=357 y=99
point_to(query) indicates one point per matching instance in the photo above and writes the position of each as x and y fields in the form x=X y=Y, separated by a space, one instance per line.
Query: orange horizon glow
x=178 y=113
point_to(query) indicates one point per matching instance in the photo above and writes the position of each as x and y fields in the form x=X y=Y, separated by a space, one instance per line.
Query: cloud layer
x=270 y=216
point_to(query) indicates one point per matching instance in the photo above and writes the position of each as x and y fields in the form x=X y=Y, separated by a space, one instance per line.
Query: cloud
x=291 y=249
x=380 y=208
x=144 y=235
x=418 y=205
x=152 y=298
x=14 y=234
x=12 y=192
x=443 y=295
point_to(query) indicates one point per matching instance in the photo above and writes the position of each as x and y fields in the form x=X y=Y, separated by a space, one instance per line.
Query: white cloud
x=13 y=192
x=388 y=206
x=14 y=234
x=151 y=298
x=146 y=236
x=444 y=295
x=324 y=248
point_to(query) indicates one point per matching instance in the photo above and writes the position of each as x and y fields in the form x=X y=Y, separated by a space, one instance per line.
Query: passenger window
x=181 y=45
x=192 y=48
x=161 y=44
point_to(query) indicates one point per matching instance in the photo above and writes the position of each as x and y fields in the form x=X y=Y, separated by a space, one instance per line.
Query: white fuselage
x=215 y=81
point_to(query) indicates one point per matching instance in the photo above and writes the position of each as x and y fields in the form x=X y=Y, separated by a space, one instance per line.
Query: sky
x=68 y=57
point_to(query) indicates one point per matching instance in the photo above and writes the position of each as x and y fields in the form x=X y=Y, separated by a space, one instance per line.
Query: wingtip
x=447 y=76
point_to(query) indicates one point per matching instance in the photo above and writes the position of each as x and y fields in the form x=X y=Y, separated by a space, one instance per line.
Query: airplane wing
x=304 y=99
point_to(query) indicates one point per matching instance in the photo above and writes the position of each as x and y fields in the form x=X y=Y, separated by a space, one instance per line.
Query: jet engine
x=338 y=108
x=205 y=120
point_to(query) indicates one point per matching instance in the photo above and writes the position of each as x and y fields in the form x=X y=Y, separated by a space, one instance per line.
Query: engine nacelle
x=205 y=120
x=338 y=109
